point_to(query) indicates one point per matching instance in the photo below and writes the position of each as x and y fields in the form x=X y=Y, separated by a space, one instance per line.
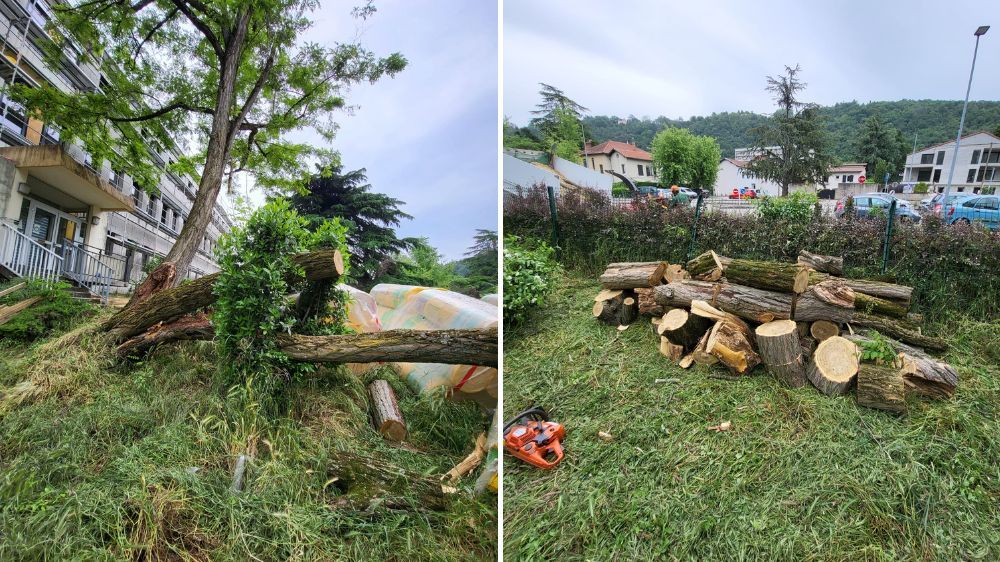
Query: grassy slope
x=799 y=477
x=95 y=465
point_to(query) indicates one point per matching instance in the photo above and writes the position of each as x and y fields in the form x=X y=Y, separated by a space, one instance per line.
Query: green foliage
x=921 y=187
x=521 y=137
x=371 y=218
x=619 y=189
x=878 y=350
x=251 y=308
x=57 y=310
x=529 y=272
x=878 y=141
x=797 y=207
x=674 y=156
x=473 y=275
x=554 y=111
x=565 y=135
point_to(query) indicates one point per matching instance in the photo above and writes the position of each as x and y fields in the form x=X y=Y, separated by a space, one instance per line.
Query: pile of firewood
x=803 y=321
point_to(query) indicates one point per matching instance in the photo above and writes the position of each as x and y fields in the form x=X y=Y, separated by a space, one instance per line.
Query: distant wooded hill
x=933 y=121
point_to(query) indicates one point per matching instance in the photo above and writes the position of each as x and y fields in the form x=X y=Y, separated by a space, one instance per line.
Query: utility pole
x=961 y=124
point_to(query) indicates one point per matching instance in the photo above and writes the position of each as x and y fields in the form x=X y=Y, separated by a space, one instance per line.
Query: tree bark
x=830 y=300
x=682 y=328
x=385 y=411
x=619 y=310
x=366 y=484
x=732 y=344
x=882 y=388
x=705 y=263
x=670 y=350
x=833 y=366
x=196 y=326
x=172 y=303
x=647 y=304
x=453 y=347
x=633 y=275
x=922 y=373
x=876 y=305
x=780 y=349
x=826 y=264
x=900 y=330
x=899 y=294
x=756 y=305
x=823 y=329
x=772 y=276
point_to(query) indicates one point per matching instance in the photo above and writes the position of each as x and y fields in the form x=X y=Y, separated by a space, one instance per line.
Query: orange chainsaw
x=531 y=437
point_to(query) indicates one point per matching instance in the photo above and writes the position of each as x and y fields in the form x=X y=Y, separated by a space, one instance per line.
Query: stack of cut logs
x=803 y=321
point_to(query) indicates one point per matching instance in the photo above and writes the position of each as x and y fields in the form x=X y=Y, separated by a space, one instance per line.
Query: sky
x=428 y=136
x=681 y=58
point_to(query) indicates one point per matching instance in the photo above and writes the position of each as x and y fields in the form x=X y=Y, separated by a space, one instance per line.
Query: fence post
x=888 y=234
x=555 y=221
x=694 y=225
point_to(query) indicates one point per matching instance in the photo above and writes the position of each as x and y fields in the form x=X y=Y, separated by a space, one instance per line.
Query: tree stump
x=683 y=328
x=822 y=329
x=780 y=349
x=881 y=387
x=833 y=366
x=385 y=411
x=633 y=275
x=619 y=310
x=826 y=264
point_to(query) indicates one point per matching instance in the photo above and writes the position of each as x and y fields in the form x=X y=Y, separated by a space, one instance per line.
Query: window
x=150 y=205
x=862 y=201
x=975 y=157
x=926 y=158
x=623 y=168
x=593 y=164
x=163 y=214
x=988 y=203
x=994 y=157
x=972 y=176
x=602 y=168
x=879 y=202
x=640 y=169
x=940 y=158
x=849 y=179
x=649 y=170
x=937 y=175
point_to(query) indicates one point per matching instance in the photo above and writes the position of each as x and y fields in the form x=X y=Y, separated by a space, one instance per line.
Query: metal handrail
x=25 y=257
x=87 y=269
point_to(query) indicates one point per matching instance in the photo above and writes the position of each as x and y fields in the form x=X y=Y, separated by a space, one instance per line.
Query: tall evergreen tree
x=796 y=130
x=371 y=218
x=879 y=140
x=553 y=109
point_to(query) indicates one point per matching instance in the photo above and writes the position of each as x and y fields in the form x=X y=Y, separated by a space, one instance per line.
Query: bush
x=618 y=189
x=56 y=311
x=951 y=267
x=921 y=187
x=528 y=274
x=797 y=207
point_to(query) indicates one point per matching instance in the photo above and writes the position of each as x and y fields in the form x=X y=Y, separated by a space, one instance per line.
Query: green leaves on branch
x=682 y=158
x=529 y=273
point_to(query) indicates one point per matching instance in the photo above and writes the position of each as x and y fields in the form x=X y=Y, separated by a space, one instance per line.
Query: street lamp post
x=961 y=124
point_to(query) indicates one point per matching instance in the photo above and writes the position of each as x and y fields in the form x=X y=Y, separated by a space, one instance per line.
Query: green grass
x=799 y=477
x=105 y=461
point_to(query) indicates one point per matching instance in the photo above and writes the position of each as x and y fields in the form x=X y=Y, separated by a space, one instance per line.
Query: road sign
x=861 y=179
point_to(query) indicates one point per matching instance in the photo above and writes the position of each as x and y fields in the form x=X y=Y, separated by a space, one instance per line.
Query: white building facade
x=977 y=167
x=626 y=159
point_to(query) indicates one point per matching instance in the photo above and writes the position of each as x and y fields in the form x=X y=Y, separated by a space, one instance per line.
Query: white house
x=621 y=157
x=733 y=174
x=977 y=167
x=851 y=172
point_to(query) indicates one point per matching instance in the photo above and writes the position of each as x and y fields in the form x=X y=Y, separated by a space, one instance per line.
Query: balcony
x=53 y=165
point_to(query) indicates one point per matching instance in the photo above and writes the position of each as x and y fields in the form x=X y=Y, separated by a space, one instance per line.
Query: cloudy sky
x=429 y=135
x=682 y=58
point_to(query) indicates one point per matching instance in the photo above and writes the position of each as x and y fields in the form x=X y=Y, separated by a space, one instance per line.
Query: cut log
x=875 y=305
x=671 y=351
x=826 y=264
x=453 y=347
x=633 y=275
x=914 y=318
x=780 y=349
x=675 y=272
x=606 y=294
x=899 y=294
x=168 y=304
x=196 y=326
x=682 y=328
x=700 y=354
x=924 y=375
x=620 y=310
x=899 y=329
x=833 y=365
x=830 y=300
x=808 y=344
x=385 y=411
x=881 y=387
x=732 y=345
x=8 y=312
x=822 y=329
x=647 y=304
x=756 y=305
x=772 y=276
x=803 y=328
x=705 y=263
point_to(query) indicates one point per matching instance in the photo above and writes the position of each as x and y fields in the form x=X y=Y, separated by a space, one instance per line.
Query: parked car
x=936 y=203
x=975 y=208
x=864 y=203
x=743 y=193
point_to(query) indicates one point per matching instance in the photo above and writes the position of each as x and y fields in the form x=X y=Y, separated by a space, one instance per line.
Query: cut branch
x=454 y=347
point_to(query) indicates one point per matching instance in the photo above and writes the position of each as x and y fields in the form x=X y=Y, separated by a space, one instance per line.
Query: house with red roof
x=624 y=158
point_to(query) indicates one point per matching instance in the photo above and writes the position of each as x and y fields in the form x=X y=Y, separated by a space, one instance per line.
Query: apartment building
x=977 y=167
x=60 y=215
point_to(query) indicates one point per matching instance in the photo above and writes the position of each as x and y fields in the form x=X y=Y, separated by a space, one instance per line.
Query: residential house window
x=926 y=158
x=602 y=168
x=849 y=179
x=940 y=158
x=593 y=165
x=994 y=157
x=972 y=176
x=640 y=169
x=649 y=171
x=623 y=168
x=975 y=157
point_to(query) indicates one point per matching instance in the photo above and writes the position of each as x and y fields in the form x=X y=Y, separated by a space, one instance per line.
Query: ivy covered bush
x=57 y=310
x=252 y=307
x=529 y=271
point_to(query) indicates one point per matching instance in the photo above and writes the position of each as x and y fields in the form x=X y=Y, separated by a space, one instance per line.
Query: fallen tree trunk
x=8 y=312
x=386 y=416
x=756 y=305
x=882 y=388
x=826 y=264
x=633 y=275
x=168 y=304
x=875 y=305
x=922 y=373
x=833 y=366
x=899 y=294
x=900 y=330
x=780 y=349
x=682 y=328
x=772 y=276
x=453 y=347
x=830 y=300
x=196 y=326
x=12 y=289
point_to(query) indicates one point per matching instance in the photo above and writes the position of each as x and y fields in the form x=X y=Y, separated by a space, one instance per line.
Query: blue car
x=975 y=208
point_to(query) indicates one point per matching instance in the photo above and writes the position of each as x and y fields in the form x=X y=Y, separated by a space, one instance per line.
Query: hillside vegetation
x=932 y=121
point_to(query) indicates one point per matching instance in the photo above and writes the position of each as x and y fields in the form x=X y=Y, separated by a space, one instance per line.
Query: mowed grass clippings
x=799 y=476
x=135 y=461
